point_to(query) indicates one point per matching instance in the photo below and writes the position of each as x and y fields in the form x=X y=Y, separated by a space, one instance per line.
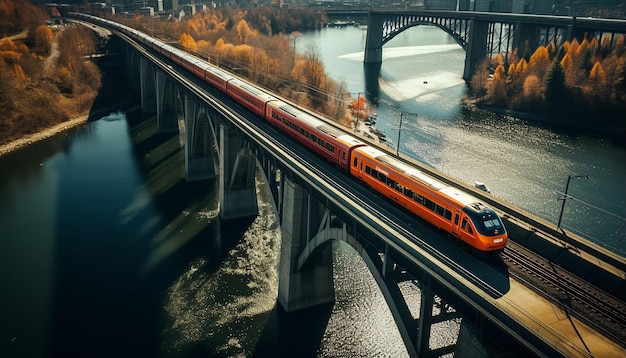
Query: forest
x=44 y=78
x=582 y=83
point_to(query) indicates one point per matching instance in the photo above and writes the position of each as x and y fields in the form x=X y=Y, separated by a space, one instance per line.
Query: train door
x=455 y=227
x=343 y=159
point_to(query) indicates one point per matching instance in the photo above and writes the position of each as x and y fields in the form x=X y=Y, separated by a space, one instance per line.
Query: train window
x=355 y=163
x=391 y=183
x=491 y=224
x=382 y=177
x=343 y=155
x=465 y=225
x=429 y=204
x=439 y=210
x=448 y=215
x=408 y=192
x=419 y=199
x=456 y=219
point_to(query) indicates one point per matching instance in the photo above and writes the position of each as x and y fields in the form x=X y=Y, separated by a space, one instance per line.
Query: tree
x=243 y=31
x=568 y=68
x=479 y=79
x=532 y=88
x=497 y=87
x=555 y=89
x=187 y=42
x=43 y=39
x=597 y=85
x=539 y=61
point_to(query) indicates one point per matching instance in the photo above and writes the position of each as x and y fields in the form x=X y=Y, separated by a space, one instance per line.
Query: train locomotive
x=458 y=213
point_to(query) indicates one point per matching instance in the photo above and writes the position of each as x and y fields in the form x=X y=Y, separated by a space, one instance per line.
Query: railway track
x=577 y=297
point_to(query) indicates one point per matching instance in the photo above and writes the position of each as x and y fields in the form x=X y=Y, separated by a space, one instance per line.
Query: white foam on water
x=422 y=88
x=397 y=52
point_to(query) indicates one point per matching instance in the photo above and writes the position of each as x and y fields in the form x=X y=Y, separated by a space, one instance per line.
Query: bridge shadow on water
x=113 y=286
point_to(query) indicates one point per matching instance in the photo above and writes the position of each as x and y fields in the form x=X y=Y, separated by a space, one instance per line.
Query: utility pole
x=565 y=197
x=399 y=129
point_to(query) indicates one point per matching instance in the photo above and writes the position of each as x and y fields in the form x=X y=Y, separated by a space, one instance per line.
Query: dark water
x=105 y=250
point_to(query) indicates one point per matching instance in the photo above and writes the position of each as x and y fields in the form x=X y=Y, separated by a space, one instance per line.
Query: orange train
x=459 y=214
x=447 y=208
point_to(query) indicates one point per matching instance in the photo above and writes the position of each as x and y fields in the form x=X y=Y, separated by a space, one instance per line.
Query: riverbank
x=41 y=135
x=618 y=134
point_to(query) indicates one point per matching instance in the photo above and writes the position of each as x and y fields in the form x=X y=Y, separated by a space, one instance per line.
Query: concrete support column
x=167 y=119
x=374 y=39
x=147 y=85
x=237 y=169
x=199 y=139
x=132 y=65
x=424 y=322
x=476 y=47
x=470 y=343
x=312 y=285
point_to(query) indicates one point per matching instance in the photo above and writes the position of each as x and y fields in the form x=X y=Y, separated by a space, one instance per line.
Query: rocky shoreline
x=41 y=135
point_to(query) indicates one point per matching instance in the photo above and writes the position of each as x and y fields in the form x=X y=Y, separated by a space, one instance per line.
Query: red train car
x=249 y=96
x=460 y=214
x=217 y=77
x=327 y=141
x=187 y=62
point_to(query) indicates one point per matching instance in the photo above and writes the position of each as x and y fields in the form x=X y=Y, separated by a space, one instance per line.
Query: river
x=105 y=250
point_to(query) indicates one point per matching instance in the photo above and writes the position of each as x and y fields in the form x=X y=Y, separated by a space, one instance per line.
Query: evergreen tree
x=555 y=89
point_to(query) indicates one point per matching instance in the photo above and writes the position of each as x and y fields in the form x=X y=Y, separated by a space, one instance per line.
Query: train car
x=327 y=141
x=248 y=95
x=199 y=68
x=156 y=45
x=459 y=214
x=187 y=61
x=177 y=55
x=217 y=77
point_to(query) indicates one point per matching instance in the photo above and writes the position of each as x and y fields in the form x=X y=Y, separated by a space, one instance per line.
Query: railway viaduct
x=316 y=204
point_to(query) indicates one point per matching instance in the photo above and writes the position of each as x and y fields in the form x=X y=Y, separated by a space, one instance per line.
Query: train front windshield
x=487 y=222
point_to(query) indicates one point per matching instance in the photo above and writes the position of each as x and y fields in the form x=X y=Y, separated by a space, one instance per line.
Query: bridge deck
x=539 y=313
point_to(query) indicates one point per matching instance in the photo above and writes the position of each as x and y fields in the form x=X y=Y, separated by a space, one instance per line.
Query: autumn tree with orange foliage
x=578 y=80
x=46 y=84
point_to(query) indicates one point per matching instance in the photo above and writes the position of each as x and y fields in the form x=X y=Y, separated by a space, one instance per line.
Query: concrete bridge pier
x=237 y=170
x=132 y=67
x=414 y=322
x=306 y=257
x=374 y=40
x=476 y=47
x=147 y=86
x=198 y=133
x=165 y=96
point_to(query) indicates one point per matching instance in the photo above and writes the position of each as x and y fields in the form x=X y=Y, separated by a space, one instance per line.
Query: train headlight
x=497 y=241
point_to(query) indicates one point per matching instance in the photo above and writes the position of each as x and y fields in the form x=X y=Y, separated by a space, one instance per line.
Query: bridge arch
x=457 y=36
